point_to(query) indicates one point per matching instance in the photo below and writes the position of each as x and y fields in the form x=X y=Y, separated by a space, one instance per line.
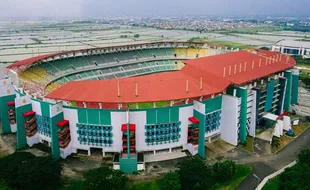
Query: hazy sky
x=97 y=8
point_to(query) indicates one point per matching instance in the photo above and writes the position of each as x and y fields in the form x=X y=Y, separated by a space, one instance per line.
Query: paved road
x=265 y=165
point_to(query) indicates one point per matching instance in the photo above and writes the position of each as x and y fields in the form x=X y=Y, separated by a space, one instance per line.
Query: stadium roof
x=200 y=77
x=33 y=60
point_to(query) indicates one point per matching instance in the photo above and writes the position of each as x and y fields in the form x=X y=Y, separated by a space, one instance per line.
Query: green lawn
x=248 y=146
x=242 y=172
x=149 y=105
x=272 y=184
x=149 y=185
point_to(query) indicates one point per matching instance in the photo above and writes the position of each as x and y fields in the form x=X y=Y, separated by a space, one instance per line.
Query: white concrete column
x=170 y=150
x=88 y=151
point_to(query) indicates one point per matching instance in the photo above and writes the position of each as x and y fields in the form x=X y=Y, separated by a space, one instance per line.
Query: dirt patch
x=216 y=148
x=4 y=148
x=262 y=147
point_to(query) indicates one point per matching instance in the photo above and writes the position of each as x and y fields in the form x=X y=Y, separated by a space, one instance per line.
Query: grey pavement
x=266 y=165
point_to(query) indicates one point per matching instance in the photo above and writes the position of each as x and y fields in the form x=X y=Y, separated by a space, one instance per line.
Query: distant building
x=293 y=48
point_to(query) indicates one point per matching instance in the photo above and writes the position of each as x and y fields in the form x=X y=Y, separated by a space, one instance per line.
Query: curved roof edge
x=36 y=59
x=199 y=78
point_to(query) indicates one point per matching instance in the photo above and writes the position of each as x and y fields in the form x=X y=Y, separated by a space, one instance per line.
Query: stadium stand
x=53 y=74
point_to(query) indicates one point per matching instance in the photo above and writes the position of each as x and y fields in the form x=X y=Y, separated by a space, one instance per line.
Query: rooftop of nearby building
x=292 y=43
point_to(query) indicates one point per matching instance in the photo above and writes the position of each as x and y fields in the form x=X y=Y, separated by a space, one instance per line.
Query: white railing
x=273 y=175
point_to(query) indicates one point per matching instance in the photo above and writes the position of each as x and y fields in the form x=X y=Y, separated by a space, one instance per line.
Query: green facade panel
x=128 y=165
x=213 y=104
x=45 y=109
x=82 y=115
x=105 y=117
x=174 y=114
x=288 y=92
x=4 y=116
x=201 y=136
x=54 y=135
x=295 y=79
x=230 y=90
x=151 y=116
x=243 y=94
x=93 y=116
x=269 y=98
x=162 y=115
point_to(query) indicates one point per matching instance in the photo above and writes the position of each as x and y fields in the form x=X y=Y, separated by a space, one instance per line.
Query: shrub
x=296 y=177
x=304 y=156
x=171 y=181
x=105 y=178
x=195 y=174
x=224 y=171
x=275 y=142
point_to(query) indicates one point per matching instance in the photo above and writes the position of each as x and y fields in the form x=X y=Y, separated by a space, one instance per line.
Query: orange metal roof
x=204 y=76
x=241 y=67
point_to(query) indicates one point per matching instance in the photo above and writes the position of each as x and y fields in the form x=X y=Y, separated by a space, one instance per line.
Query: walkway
x=265 y=165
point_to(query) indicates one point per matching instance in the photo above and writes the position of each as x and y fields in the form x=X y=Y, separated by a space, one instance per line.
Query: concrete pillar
x=88 y=152
x=170 y=150
x=154 y=152
x=103 y=153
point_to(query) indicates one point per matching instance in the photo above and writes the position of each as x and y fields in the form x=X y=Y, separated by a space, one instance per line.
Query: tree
x=304 y=156
x=104 y=178
x=22 y=170
x=136 y=35
x=195 y=174
x=44 y=170
x=224 y=171
x=296 y=177
x=171 y=181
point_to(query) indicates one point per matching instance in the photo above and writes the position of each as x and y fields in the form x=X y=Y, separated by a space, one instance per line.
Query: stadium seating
x=192 y=53
x=203 y=52
x=86 y=67
x=181 y=52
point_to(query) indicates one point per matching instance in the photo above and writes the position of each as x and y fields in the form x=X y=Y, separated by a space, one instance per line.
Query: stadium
x=146 y=102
